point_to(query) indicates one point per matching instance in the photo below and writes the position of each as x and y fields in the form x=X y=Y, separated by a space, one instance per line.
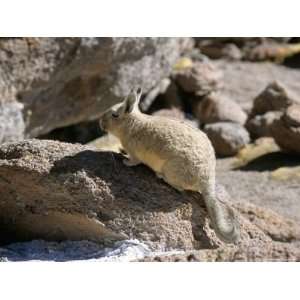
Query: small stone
x=286 y=130
x=227 y=138
x=259 y=125
x=292 y=115
x=275 y=97
x=217 y=50
x=217 y=107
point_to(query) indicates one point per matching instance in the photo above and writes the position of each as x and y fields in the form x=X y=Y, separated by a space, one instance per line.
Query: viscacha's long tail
x=222 y=217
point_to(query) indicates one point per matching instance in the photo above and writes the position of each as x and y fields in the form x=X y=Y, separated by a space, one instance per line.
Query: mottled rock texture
x=259 y=125
x=227 y=137
x=217 y=107
x=59 y=191
x=275 y=97
x=286 y=130
x=201 y=78
x=64 y=81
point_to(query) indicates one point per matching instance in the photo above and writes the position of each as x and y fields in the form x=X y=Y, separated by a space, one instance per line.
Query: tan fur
x=179 y=154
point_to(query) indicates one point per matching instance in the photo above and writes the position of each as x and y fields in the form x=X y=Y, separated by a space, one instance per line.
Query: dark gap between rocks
x=79 y=133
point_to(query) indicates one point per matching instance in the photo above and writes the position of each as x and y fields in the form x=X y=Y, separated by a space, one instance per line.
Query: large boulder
x=63 y=81
x=59 y=191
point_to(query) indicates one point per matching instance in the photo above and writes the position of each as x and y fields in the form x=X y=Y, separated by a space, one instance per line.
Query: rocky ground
x=64 y=201
x=255 y=184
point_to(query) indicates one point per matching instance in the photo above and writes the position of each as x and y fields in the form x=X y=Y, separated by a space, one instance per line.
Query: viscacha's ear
x=132 y=100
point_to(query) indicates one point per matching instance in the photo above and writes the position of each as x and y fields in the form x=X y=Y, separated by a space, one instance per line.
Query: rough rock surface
x=275 y=97
x=253 y=183
x=63 y=81
x=276 y=252
x=218 y=108
x=201 y=78
x=227 y=137
x=286 y=130
x=12 y=124
x=62 y=191
x=292 y=115
x=27 y=63
x=57 y=191
x=107 y=142
x=215 y=50
x=244 y=80
x=259 y=125
x=258 y=188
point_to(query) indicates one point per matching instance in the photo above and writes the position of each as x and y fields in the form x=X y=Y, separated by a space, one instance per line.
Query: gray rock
x=216 y=50
x=60 y=191
x=201 y=78
x=259 y=125
x=161 y=88
x=28 y=63
x=275 y=97
x=286 y=130
x=292 y=115
x=217 y=107
x=11 y=122
x=64 y=81
x=227 y=138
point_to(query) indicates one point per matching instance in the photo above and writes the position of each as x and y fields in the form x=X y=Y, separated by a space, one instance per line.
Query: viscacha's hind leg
x=177 y=176
x=178 y=188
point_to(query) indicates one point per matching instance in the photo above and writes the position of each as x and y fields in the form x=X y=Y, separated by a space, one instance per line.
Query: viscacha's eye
x=115 y=115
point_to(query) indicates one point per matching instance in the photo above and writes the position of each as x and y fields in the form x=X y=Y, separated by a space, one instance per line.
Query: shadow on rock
x=135 y=183
x=271 y=162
